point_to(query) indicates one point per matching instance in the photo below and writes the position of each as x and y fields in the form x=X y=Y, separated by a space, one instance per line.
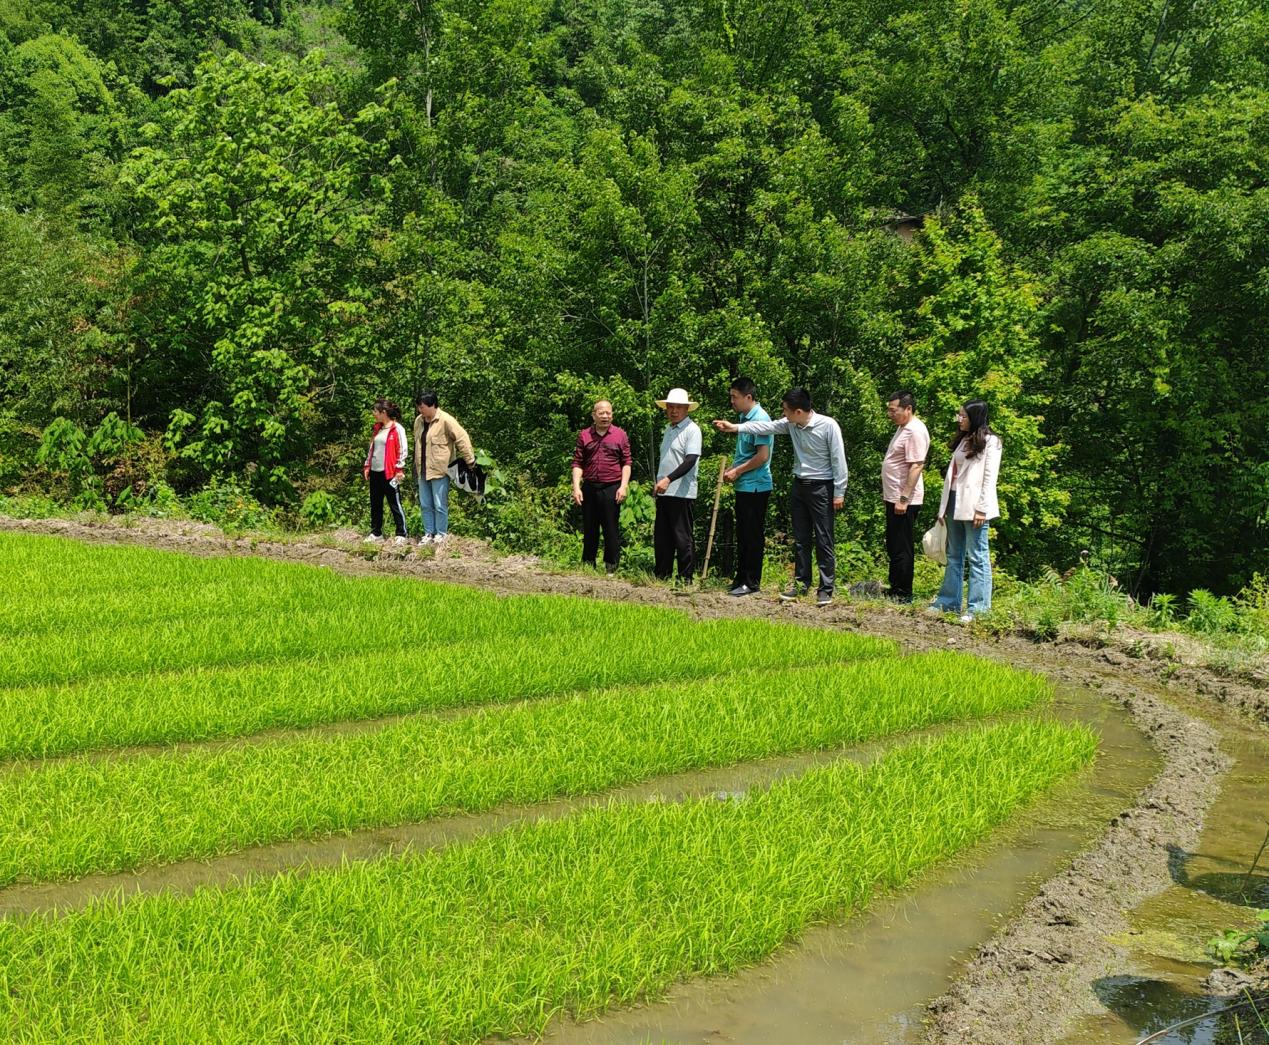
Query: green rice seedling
x=70 y=610
x=331 y=626
x=502 y=935
x=28 y=562
x=115 y=585
x=235 y=700
x=80 y=816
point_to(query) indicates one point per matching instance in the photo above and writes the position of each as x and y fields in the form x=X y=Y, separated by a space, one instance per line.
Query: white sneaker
x=439 y=538
x=967 y=618
x=400 y=541
x=372 y=538
x=425 y=539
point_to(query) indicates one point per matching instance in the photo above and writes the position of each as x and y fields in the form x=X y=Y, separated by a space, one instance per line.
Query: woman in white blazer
x=968 y=504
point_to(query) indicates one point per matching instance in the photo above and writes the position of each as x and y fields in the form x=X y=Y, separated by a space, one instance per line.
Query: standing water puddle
x=1161 y=983
x=867 y=981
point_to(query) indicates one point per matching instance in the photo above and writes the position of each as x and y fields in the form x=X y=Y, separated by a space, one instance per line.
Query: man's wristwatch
x=903 y=498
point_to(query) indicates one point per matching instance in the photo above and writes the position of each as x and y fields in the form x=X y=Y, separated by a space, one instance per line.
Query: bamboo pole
x=713 y=519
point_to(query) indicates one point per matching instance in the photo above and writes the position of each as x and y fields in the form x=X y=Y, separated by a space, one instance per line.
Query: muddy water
x=1161 y=981
x=868 y=981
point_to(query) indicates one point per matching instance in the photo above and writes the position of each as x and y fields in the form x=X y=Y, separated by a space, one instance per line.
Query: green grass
x=92 y=815
x=500 y=936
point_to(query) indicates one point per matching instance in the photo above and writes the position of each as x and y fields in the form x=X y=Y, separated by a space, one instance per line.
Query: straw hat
x=678 y=397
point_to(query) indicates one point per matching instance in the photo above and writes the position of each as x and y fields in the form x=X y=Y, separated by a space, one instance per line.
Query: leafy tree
x=260 y=204
x=975 y=340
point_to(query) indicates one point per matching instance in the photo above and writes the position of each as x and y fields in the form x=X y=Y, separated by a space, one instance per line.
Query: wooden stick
x=713 y=520
x=1242 y=892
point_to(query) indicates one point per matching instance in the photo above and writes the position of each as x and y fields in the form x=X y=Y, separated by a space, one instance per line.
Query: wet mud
x=1054 y=966
x=1162 y=974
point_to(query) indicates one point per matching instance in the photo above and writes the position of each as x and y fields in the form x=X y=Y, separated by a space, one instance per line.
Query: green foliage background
x=227 y=225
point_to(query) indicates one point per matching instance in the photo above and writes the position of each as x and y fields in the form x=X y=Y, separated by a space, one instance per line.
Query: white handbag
x=934 y=543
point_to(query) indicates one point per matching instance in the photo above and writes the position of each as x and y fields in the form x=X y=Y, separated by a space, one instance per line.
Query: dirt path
x=1022 y=985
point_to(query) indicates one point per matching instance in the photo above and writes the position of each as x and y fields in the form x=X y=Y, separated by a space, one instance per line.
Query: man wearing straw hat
x=675 y=489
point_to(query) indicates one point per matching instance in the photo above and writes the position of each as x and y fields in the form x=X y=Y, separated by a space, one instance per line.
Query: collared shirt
x=678 y=443
x=908 y=446
x=756 y=480
x=601 y=457
x=818 y=450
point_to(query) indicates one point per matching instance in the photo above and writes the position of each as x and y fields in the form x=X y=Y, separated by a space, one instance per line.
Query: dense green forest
x=226 y=226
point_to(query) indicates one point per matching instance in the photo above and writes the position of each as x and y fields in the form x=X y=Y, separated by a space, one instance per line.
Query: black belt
x=810 y=482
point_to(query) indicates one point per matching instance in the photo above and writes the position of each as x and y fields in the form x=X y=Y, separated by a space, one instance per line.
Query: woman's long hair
x=975 y=437
x=389 y=407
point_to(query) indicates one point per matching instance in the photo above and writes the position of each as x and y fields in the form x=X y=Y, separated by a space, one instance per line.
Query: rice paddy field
x=156 y=709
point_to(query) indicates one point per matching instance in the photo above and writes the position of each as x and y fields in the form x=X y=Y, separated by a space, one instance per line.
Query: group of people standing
x=601 y=479
x=601 y=470
x=443 y=441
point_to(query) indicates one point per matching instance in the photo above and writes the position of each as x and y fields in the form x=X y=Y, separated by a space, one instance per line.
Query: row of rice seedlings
x=26 y=560
x=80 y=816
x=329 y=626
x=201 y=704
x=115 y=585
x=502 y=935
x=232 y=605
x=152 y=586
x=71 y=610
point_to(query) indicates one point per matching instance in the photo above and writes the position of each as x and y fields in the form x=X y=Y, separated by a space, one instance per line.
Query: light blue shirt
x=758 y=480
x=678 y=443
x=818 y=450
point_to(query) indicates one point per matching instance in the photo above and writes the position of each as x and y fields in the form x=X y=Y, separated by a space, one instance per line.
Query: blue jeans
x=965 y=539
x=434 y=500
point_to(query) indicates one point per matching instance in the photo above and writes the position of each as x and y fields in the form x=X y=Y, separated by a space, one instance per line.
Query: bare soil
x=1023 y=984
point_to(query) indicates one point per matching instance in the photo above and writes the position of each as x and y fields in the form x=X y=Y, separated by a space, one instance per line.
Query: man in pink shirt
x=903 y=490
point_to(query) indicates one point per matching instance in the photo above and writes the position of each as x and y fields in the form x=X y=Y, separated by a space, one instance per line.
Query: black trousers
x=812 y=510
x=900 y=534
x=672 y=538
x=751 y=521
x=380 y=489
x=600 y=511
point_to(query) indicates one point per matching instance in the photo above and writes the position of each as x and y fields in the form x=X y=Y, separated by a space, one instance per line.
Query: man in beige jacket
x=439 y=440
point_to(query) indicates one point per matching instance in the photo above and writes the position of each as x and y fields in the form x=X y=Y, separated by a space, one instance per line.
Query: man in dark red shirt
x=601 y=476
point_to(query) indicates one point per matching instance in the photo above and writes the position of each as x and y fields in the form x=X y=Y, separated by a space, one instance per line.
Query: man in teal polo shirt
x=750 y=471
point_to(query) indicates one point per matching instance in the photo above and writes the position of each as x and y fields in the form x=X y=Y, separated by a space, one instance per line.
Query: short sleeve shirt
x=601 y=457
x=758 y=480
x=908 y=446
x=679 y=442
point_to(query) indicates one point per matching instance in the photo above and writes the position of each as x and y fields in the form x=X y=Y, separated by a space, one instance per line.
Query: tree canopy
x=236 y=222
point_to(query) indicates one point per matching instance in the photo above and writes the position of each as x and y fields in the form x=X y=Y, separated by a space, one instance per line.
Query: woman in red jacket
x=384 y=467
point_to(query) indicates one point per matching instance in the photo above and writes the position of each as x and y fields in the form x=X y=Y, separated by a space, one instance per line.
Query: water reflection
x=1153 y=1006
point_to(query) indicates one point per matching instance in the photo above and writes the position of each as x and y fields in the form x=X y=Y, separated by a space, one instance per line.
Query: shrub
x=319 y=510
x=228 y=504
x=1253 y=605
x=1162 y=609
x=1211 y=614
